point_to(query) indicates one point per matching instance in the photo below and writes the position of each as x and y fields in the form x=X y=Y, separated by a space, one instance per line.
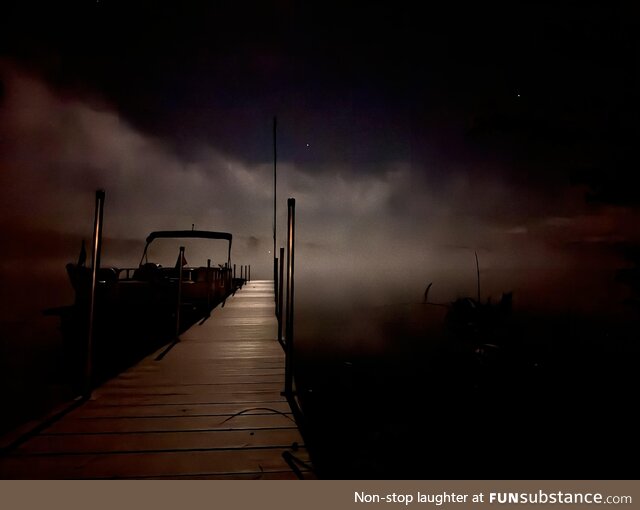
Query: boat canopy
x=177 y=234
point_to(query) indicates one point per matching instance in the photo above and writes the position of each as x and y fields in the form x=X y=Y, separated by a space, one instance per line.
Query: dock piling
x=275 y=289
x=209 y=285
x=291 y=213
x=280 y=288
x=179 y=303
x=95 y=267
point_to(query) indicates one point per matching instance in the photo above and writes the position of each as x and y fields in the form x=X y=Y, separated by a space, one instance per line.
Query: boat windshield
x=165 y=251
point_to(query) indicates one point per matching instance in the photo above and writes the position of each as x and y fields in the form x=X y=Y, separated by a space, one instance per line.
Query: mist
x=363 y=239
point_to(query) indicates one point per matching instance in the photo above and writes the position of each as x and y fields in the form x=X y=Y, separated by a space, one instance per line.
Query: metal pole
x=234 y=270
x=208 y=285
x=275 y=289
x=280 y=294
x=478 y=275
x=95 y=267
x=249 y=272
x=275 y=277
x=275 y=282
x=288 y=385
x=179 y=293
x=275 y=195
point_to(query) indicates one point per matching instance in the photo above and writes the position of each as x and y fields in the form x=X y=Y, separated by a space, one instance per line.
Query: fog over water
x=366 y=245
x=361 y=240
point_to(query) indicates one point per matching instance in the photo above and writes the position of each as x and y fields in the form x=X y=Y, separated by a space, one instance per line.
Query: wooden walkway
x=210 y=408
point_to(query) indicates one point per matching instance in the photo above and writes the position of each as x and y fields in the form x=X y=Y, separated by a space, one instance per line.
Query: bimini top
x=177 y=234
x=205 y=234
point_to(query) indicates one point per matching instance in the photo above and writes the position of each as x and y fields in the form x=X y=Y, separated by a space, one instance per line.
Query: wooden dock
x=210 y=407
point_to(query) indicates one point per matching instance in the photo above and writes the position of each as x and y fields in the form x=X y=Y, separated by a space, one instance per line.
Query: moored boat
x=138 y=309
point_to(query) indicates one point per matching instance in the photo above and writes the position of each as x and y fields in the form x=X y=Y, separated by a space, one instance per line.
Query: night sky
x=409 y=137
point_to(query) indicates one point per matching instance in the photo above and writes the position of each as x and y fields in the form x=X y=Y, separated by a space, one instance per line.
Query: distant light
x=518 y=95
x=307 y=145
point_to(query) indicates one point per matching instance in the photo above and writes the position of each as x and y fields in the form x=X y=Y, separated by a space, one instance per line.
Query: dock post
x=275 y=288
x=288 y=369
x=180 y=261
x=95 y=267
x=280 y=287
x=209 y=285
x=275 y=275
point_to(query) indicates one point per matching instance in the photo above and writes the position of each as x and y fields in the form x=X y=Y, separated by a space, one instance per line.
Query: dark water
x=32 y=355
x=389 y=391
x=32 y=380
x=555 y=400
x=43 y=362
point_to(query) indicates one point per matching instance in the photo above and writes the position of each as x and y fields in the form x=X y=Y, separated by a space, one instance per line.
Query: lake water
x=389 y=392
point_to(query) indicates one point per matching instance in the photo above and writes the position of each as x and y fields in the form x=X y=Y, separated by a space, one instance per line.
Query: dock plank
x=160 y=441
x=146 y=464
x=115 y=411
x=212 y=407
x=180 y=423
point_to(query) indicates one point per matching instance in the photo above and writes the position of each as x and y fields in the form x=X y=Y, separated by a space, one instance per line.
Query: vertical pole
x=275 y=282
x=209 y=285
x=275 y=290
x=95 y=267
x=249 y=272
x=275 y=198
x=288 y=385
x=478 y=275
x=275 y=278
x=234 y=270
x=280 y=294
x=179 y=293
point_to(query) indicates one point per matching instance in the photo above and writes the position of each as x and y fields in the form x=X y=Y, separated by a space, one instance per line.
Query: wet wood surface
x=211 y=407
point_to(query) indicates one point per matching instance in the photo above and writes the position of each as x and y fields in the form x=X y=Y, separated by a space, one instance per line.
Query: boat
x=155 y=285
x=138 y=309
